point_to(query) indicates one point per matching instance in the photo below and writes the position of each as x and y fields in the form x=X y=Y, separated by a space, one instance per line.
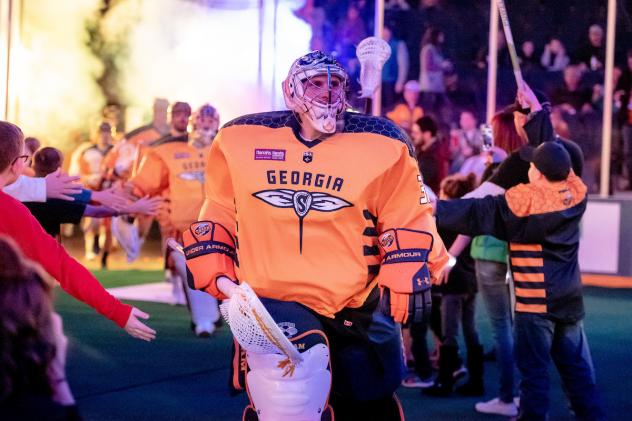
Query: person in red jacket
x=18 y=223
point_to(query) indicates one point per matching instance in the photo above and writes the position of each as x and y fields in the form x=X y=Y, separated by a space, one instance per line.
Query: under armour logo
x=302 y=202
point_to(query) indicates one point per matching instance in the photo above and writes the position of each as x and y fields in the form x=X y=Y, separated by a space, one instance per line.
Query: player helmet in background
x=315 y=88
x=206 y=123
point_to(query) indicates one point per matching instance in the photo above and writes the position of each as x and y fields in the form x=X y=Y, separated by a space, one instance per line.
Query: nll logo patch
x=308 y=157
x=302 y=202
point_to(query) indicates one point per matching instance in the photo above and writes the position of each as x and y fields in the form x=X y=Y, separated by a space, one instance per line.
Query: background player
x=173 y=166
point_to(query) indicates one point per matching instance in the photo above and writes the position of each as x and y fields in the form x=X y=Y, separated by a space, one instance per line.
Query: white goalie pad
x=301 y=397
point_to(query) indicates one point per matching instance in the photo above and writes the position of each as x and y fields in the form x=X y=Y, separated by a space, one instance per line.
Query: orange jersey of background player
x=122 y=160
x=307 y=215
x=175 y=166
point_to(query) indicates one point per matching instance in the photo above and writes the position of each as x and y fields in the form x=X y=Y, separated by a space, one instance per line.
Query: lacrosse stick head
x=255 y=329
x=372 y=52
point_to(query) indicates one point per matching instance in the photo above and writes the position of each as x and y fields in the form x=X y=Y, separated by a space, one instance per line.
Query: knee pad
x=303 y=395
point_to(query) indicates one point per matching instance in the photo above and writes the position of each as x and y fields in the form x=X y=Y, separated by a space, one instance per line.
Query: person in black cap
x=540 y=220
x=532 y=112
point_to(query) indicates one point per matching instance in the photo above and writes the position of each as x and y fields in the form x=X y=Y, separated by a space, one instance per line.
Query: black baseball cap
x=551 y=159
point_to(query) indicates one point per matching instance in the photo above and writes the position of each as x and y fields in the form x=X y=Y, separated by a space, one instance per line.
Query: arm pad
x=210 y=252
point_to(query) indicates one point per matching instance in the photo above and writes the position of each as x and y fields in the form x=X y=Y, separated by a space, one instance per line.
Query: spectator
x=464 y=142
x=408 y=112
x=53 y=212
x=17 y=222
x=350 y=31
x=528 y=61
x=430 y=152
x=31 y=144
x=554 y=57
x=572 y=98
x=591 y=55
x=623 y=101
x=395 y=69
x=490 y=256
x=458 y=307
x=432 y=66
x=541 y=221
x=32 y=343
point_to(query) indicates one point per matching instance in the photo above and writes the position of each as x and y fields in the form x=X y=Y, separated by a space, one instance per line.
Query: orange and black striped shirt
x=541 y=224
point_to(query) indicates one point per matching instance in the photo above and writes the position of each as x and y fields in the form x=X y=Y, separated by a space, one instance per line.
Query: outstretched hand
x=527 y=98
x=138 y=329
x=145 y=205
x=60 y=185
x=110 y=198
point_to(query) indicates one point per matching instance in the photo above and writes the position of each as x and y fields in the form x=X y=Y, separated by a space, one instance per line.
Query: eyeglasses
x=24 y=158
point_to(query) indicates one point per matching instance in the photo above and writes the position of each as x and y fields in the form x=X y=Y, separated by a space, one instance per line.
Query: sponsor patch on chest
x=269 y=154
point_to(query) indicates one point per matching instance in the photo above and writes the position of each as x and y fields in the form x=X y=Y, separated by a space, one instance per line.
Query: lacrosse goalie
x=323 y=213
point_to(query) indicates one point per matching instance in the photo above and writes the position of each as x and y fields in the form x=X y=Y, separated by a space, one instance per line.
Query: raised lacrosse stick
x=372 y=52
x=515 y=63
x=252 y=326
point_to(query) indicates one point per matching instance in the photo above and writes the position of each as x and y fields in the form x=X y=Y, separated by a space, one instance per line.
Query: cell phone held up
x=487 y=135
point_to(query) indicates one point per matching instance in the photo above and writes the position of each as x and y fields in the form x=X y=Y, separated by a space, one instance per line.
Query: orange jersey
x=404 y=117
x=90 y=162
x=174 y=166
x=123 y=159
x=307 y=215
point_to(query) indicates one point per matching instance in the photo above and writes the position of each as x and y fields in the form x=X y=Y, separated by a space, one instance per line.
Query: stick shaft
x=510 y=42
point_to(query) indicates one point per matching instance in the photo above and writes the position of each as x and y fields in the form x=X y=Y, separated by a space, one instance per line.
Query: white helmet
x=205 y=124
x=320 y=103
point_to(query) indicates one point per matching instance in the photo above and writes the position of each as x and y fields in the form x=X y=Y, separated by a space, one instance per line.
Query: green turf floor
x=181 y=377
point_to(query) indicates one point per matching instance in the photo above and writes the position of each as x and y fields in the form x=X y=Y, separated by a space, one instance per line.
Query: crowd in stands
x=431 y=45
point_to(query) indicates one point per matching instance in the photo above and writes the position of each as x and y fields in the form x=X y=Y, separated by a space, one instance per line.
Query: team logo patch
x=288 y=328
x=202 y=229
x=302 y=201
x=387 y=239
x=269 y=154
x=192 y=176
x=308 y=157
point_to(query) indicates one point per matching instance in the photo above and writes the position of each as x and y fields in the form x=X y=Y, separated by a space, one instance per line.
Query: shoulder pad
x=169 y=139
x=273 y=120
x=138 y=130
x=362 y=123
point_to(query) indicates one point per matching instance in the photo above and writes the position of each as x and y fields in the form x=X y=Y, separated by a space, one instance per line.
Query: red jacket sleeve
x=17 y=222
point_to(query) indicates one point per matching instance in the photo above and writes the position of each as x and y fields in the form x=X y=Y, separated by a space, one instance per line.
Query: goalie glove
x=404 y=277
x=210 y=252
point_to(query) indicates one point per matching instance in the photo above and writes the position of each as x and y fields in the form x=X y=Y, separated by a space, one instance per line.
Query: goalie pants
x=366 y=356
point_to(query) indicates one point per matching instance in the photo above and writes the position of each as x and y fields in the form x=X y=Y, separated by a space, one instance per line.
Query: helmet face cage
x=322 y=102
x=208 y=116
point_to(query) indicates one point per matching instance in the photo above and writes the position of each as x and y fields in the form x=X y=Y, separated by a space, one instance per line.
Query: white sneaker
x=204 y=329
x=414 y=381
x=496 y=406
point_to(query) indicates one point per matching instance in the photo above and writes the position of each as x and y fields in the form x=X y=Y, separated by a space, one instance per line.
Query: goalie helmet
x=205 y=124
x=315 y=87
